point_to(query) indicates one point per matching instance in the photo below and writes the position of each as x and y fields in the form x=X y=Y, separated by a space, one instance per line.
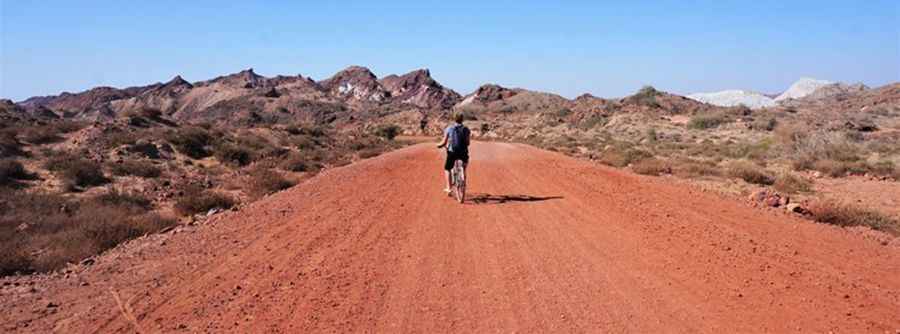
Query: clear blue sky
x=605 y=48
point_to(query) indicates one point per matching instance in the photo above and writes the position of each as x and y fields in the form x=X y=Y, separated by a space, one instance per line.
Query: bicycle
x=458 y=179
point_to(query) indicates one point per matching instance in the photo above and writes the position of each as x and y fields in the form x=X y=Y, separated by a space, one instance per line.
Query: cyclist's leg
x=448 y=165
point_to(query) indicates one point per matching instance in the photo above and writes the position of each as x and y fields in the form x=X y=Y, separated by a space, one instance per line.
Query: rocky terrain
x=147 y=158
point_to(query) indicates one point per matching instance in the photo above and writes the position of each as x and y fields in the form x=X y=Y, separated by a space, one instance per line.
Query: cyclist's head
x=458 y=117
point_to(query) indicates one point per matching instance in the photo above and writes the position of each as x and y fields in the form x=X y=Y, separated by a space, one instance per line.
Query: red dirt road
x=547 y=243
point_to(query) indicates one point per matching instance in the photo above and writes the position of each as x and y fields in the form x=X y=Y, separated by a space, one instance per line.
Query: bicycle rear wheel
x=459 y=181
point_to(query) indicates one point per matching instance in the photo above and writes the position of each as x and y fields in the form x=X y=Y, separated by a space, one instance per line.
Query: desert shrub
x=68 y=126
x=882 y=168
x=301 y=129
x=124 y=199
x=750 y=173
x=303 y=142
x=14 y=259
x=706 y=121
x=264 y=181
x=140 y=168
x=388 y=131
x=651 y=166
x=646 y=96
x=692 y=168
x=651 y=135
x=9 y=144
x=764 y=124
x=848 y=215
x=621 y=156
x=12 y=171
x=76 y=172
x=297 y=162
x=836 y=168
x=196 y=200
x=119 y=138
x=790 y=184
x=233 y=154
x=369 y=152
x=41 y=134
x=43 y=232
x=592 y=121
x=191 y=141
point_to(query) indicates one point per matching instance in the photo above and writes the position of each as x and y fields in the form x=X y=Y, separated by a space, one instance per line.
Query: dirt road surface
x=546 y=244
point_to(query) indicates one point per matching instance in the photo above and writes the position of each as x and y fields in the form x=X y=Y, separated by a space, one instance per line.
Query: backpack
x=458 y=140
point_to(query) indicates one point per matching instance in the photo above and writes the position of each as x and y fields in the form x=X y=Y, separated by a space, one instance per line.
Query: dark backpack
x=458 y=140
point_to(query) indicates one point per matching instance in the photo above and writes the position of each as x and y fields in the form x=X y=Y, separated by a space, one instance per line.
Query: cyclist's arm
x=443 y=141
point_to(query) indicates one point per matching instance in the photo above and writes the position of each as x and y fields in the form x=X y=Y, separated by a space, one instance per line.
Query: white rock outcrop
x=734 y=97
x=802 y=88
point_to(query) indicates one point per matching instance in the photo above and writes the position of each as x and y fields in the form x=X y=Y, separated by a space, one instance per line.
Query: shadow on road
x=500 y=199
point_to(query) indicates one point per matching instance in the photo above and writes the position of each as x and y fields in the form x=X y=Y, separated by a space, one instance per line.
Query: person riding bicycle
x=456 y=139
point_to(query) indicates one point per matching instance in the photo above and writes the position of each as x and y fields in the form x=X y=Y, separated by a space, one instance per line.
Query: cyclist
x=456 y=139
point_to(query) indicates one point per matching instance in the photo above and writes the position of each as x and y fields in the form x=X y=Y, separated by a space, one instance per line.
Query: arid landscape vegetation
x=82 y=172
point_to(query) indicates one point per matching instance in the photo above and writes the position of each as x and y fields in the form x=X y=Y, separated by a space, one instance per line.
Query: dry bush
x=622 y=155
x=124 y=199
x=651 y=166
x=883 y=168
x=197 y=200
x=76 y=172
x=264 y=181
x=41 y=134
x=298 y=162
x=750 y=173
x=11 y=172
x=707 y=121
x=848 y=215
x=234 y=154
x=764 y=124
x=141 y=168
x=693 y=169
x=370 y=152
x=304 y=129
x=791 y=184
x=387 y=131
x=192 y=141
x=43 y=232
x=836 y=168
x=9 y=144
